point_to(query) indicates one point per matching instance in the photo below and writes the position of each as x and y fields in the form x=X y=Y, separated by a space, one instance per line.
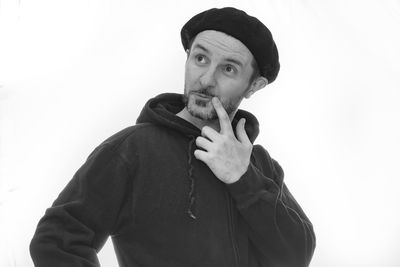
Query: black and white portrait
x=74 y=74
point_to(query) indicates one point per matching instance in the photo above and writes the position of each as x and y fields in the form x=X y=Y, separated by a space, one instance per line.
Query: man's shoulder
x=131 y=134
x=126 y=139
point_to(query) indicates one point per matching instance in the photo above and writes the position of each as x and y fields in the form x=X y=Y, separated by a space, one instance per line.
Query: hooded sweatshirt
x=163 y=207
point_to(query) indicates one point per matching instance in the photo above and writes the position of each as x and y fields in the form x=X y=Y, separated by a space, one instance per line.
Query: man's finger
x=203 y=143
x=209 y=133
x=201 y=155
x=241 y=132
x=224 y=121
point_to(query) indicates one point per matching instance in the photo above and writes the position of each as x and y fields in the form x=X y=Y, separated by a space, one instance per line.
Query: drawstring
x=191 y=178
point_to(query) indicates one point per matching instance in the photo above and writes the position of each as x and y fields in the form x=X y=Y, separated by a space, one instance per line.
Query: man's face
x=217 y=65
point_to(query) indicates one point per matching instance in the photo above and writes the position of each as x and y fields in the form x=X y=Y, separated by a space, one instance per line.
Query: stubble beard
x=203 y=108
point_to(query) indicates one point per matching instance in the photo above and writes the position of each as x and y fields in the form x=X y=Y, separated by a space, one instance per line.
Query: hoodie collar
x=162 y=110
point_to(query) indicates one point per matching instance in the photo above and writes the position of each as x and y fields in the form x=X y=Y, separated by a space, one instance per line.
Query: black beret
x=247 y=29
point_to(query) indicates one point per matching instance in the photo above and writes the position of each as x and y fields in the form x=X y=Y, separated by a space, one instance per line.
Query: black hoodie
x=163 y=207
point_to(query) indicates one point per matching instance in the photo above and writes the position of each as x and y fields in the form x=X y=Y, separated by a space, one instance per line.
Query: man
x=186 y=186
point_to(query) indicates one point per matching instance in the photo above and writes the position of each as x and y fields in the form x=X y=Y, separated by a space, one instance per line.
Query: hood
x=162 y=109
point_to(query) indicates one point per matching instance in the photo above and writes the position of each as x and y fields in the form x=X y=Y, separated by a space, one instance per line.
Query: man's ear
x=187 y=53
x=256 y=85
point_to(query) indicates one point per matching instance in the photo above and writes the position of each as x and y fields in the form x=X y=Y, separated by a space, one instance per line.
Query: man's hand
x=227 y=157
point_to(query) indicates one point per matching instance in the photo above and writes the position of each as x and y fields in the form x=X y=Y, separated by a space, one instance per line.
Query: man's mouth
x=203 y=96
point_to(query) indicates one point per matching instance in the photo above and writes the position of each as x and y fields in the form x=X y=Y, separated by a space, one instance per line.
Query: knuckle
x=225 y=139
x=198 y=140
x=247 y=145
x=231 y=138
x=204 y=130
x=225 y=116
x=198 y=154
x=205 y=158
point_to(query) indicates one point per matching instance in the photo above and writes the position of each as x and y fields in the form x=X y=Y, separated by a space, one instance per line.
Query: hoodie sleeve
x=80 y=220
x=278 y=227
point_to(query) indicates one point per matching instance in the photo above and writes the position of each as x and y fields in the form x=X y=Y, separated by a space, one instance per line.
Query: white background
x=73 y=72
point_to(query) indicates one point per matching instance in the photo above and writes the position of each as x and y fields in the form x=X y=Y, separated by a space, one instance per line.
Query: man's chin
x=206 y=113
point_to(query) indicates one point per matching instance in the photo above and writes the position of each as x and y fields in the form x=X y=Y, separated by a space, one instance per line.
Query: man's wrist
x=236 y=177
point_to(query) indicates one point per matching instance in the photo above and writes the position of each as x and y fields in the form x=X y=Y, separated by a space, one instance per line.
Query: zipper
x=231 y=230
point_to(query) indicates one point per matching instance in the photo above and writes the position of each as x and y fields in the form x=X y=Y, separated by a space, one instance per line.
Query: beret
x=238 y=24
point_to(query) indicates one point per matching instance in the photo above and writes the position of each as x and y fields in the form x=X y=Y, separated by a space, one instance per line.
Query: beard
x=202 y=108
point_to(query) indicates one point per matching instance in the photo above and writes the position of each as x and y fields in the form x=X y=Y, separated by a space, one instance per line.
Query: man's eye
x=229 y=69
x=201 y=59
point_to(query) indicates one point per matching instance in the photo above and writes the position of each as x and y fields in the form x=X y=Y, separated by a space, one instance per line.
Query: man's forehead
x=211 y=40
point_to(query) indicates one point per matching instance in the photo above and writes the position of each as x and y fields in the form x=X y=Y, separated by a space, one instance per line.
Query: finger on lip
x=216 y=101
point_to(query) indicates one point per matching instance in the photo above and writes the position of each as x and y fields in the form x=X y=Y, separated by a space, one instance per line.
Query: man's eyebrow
x=201 y=47
x=235 y=61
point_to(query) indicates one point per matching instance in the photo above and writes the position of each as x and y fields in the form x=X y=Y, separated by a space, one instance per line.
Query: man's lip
x=203 y=95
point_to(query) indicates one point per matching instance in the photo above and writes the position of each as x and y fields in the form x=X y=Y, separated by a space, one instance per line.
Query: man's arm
x=278 y=227
x=77 y=225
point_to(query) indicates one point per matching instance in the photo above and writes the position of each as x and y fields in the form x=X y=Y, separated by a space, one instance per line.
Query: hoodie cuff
x=252 y=186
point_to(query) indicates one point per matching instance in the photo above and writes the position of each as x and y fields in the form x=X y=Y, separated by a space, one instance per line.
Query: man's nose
x=207 y=79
